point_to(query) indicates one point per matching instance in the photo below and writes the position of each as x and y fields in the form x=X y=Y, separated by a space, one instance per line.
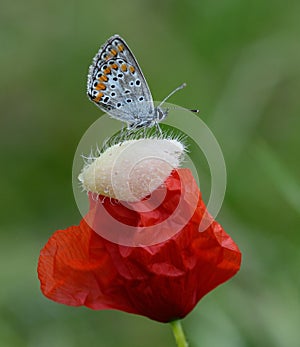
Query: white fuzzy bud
x=133 y=169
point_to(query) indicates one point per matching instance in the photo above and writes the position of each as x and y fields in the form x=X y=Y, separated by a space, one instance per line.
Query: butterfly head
x=161 y=114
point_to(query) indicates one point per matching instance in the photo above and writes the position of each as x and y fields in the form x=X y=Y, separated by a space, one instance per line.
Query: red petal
x=163 y=281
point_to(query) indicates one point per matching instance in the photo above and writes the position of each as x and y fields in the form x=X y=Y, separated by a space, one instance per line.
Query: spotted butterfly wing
x=117 y=86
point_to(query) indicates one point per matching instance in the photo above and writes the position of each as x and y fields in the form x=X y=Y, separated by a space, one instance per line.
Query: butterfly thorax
x=147 y=122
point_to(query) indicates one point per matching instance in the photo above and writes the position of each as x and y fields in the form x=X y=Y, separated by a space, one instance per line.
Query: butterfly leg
x=158 y=129
x=145 y=132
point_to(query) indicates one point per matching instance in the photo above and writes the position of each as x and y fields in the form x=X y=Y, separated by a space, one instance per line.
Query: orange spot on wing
x=132 y=69
x=124 y=67
x=113 y=52
x=108 y=57
x=100 y=86
x=114 y=66
x=121 y=48
x=107 y=71
x=98 y=97
x=103 y=78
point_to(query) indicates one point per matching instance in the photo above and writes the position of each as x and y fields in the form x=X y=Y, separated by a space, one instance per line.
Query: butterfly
x=118 y=87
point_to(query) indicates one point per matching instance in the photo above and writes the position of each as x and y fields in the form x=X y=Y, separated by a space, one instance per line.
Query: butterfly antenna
x=173 y=92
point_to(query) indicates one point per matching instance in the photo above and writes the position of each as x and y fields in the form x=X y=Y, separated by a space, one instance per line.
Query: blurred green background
x=241 y=61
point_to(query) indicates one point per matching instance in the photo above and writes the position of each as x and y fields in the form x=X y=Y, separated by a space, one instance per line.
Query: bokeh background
x=241 y=60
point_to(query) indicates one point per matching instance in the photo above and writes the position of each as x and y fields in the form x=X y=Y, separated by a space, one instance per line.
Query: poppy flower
x=162 y=281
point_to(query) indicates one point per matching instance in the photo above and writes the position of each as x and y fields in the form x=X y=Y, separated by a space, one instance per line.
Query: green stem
x=178 y=333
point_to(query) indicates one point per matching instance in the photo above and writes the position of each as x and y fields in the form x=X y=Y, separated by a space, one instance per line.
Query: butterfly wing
x=117 y=86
